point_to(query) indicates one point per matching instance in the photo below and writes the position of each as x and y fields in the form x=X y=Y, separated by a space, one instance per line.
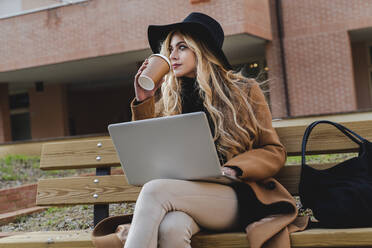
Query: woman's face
x=182 y=58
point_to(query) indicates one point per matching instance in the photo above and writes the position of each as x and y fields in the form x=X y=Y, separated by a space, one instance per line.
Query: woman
x=168 y=212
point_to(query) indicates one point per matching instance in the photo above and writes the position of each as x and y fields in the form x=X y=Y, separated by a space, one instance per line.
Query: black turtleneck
x=193 y=102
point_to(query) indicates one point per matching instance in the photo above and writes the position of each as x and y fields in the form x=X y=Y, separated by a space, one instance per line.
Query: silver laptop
x=176 y=147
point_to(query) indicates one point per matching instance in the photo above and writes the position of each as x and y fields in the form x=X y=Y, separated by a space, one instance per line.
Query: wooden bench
x=104 y=188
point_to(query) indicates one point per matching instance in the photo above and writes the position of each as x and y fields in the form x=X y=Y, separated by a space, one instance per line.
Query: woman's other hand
x=229 y=171
x=142 y=94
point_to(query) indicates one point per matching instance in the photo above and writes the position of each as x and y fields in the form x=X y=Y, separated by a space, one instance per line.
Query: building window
x=20 y=116
x=18 y=101
x=20 y=126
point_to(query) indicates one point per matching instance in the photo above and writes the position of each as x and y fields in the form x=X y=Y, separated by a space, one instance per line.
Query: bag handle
x=352 y=135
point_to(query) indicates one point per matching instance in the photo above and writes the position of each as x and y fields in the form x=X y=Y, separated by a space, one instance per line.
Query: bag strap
x=352 y=135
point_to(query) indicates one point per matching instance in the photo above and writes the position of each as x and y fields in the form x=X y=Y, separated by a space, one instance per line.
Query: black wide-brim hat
x=198 y=25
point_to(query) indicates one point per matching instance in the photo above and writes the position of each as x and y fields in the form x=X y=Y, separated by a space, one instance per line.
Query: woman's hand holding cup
x=150 y=76
x=142 y=94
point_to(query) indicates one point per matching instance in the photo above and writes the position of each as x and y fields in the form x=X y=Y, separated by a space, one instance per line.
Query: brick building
x=67 y=67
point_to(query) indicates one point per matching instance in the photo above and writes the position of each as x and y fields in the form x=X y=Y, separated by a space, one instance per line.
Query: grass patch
x=17 y=170
x=52 y=210
x=320 y=159
x=10 y=165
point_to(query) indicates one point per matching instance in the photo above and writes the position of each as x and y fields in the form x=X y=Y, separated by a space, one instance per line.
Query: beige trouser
x=168 y=212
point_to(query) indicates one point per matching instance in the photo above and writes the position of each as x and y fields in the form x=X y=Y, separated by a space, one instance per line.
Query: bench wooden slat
x=82 y=154
x=60 y=239
x=78 y=154
x=220 y=240
x=356 y=237
x=114 y=189
x=352 y=237
x=80 y=190
x=323 y=139
x=338 y=117
x=289 y=177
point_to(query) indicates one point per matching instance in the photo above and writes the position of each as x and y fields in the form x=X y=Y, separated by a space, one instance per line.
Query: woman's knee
x=176 y=230
x=156 y=188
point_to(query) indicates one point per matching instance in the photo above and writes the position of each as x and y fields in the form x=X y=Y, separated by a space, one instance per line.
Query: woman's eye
x=182 y=47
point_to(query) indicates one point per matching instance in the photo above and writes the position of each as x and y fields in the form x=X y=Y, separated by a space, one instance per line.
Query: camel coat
x=258 y=165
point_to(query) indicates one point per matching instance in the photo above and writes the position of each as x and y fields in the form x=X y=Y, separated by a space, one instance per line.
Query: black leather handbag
x=340 y=196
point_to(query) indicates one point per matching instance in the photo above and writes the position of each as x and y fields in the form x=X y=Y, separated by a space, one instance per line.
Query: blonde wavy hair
x=224 y=94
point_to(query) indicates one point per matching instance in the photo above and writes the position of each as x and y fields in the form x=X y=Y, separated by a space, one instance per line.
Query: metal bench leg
x=101 y=211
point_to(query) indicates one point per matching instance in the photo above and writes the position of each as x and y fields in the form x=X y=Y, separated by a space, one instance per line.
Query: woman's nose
x=173 y=55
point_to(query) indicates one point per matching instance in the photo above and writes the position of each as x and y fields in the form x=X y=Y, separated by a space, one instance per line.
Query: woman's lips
x=174 y=66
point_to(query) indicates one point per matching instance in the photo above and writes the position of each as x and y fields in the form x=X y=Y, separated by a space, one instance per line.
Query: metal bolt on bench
x=100 y=211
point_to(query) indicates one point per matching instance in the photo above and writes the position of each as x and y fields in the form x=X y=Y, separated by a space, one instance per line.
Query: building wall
x=96 y=28
x=318 y=54
x=93 y=29
x=317 y=49
x=48 y=112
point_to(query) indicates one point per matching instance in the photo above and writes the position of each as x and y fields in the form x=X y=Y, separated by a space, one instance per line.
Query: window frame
x=369 y=64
